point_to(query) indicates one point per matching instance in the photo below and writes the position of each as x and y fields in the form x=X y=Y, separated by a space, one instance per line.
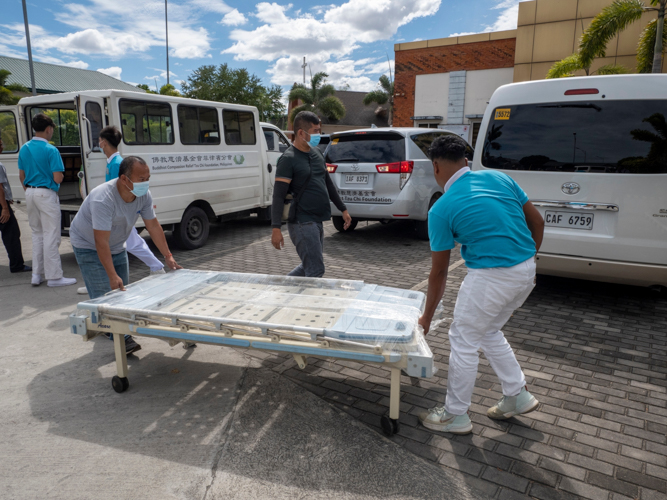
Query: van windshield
x=363 y=147
x=625 y=137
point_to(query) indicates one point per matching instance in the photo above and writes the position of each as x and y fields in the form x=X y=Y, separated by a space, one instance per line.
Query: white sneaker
x=509 y=406
x=82 y=290
x=61 y=282
x=159 y=271
x=36 y=280
x=438 y=419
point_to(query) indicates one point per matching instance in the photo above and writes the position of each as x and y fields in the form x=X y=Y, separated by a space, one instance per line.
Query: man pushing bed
x=500 y=232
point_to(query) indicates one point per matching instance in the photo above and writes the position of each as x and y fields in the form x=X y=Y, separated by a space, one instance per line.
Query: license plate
x=572 y=220
x=356 y=179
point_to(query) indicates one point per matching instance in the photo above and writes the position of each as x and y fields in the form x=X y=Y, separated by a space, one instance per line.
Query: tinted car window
x=8 y=132
x=625 y=137
x=424 y=141
x=324 y=142
x=367 y=148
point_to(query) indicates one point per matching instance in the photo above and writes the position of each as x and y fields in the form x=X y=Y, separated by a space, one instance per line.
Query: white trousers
x=138 y=247
x=44 y=219
x=486 y=300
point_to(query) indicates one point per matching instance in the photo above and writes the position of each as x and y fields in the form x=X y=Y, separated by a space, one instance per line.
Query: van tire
x=264 y=214
x=192 y=232
x=339 y=224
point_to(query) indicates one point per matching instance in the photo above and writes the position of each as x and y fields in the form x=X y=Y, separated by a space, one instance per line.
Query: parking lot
x=594 y=354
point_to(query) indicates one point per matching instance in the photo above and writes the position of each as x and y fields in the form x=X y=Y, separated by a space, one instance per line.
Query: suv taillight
x=399 y=167
x=331 y=168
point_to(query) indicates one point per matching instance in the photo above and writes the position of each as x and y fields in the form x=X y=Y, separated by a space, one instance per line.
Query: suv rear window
x=366 y=148
x=424 y=141
x=623 y=137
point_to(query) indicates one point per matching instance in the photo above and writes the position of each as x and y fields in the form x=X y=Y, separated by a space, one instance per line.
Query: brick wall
x=469 y=56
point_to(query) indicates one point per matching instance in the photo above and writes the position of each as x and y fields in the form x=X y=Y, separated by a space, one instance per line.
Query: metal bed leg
x=390 y=423
x=120 y=382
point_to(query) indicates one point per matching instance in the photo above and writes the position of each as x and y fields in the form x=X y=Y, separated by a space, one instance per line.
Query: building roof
x=356 y=113
x=51 y=78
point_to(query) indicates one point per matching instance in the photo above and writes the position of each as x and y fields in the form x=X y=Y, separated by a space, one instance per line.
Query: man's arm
x=157 y=234
x=280 y=189
x=535 y=224
x=4 y=213
x=57 y=166
x=22 y=178
x=335 y=198
x=58 y=177
x=437 y=280
x=104 y=254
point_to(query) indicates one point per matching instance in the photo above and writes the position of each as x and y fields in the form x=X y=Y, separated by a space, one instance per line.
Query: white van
x=591 y=153
x=209 y=161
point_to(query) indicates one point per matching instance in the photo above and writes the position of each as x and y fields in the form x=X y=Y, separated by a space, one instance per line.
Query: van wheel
x=339 y=224
x=421 y=226
x=192 y=232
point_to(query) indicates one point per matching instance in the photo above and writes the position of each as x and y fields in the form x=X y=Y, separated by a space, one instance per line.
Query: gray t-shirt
x=5 y=183
x=104 y=210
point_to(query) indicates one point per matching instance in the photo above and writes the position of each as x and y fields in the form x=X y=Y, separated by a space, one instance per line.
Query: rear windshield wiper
x=351 y=158
x=589 y=106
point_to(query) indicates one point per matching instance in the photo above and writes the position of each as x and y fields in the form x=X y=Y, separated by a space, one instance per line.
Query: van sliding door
x=91 y=123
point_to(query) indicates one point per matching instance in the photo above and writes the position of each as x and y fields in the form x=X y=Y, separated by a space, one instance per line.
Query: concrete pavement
x=198 y=423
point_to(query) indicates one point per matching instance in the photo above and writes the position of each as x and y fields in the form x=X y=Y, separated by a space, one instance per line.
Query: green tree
x=7 y=90
x=235 y=86
x=604 y=27
x=382 y=95
x=169 y=89
x=145 y=87
x=319 y=98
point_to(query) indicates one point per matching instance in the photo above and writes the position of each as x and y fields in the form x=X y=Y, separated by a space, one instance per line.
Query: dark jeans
x=308 y=238
x=11 y=237
x=95 y=276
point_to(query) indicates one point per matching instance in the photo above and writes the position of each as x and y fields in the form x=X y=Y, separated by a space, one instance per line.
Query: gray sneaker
x=131 y=346
x=509 y=406
x=438 y=419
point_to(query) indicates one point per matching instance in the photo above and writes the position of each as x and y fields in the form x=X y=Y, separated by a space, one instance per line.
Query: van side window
x=94 y=115
x=67 y=125
x=283 y=143
x=269 y=135
x=146 y=122
x=424 y=141
x=198 y=125
x=10 y=138
x=239 y=128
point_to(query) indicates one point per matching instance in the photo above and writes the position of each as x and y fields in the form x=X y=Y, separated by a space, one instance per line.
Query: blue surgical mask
x=140 y=188
x=314 y=140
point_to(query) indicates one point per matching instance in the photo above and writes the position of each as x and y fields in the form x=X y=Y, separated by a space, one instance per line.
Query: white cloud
x=507 y=20
x=217 y=6
x=113 y=71
x=162 y=75
x=272 y=13
x=234 y=18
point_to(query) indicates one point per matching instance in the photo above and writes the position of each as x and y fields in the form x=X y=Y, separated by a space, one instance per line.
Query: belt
x=37 y=187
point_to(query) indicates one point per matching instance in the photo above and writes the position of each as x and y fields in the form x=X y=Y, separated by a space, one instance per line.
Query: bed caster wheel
x=120 y=384
x=389 y=425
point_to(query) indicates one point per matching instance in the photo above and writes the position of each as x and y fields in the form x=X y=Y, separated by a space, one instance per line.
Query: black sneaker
x=131 y=346
x=25 y=269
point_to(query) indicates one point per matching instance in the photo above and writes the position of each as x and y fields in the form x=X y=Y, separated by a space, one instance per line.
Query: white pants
x=138 y=247
x=44 y=219
x=486 y=300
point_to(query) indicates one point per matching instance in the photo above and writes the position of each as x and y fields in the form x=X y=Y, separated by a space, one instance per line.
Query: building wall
x=432 y=57
x=480 y=86
x=549 y=30
x=431 y=95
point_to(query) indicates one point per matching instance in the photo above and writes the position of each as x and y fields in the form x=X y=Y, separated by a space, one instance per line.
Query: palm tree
x=7 y=90
x=605 y=26
x=319 y=98
x=382 y=95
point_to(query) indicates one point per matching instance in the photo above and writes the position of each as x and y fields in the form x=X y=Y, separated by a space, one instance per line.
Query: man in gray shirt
x=9 y=226
x=103 y=224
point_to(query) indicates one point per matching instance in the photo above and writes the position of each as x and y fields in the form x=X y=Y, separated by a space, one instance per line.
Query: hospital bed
x=305 y=317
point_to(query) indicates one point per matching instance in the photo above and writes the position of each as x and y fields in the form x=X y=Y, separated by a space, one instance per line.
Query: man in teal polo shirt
x=41 y=172
x=500 y=232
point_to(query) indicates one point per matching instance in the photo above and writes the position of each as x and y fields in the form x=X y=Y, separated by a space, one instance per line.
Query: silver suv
x=385 y=174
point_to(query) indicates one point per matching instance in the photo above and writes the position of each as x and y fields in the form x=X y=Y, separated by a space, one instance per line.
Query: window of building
x=428 y=125
x=198 y=125
x=66 y=132
x=239 y=128
x=146 y=122
x=8 y=132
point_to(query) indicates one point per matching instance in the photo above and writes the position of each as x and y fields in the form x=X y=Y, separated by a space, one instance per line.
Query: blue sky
x=349 y=39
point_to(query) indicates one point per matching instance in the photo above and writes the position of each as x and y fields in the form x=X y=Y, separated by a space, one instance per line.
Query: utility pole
x=304 y=66
x=27 y=37
x=166 y=32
